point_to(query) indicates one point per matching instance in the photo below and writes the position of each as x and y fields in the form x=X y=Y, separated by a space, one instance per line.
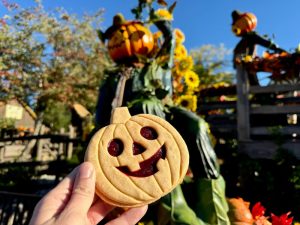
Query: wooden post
x=243 y=105
x=40 y=143
x=70 y=143
x=61 y=153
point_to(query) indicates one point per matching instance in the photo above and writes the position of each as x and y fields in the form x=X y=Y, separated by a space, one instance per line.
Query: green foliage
x=148 y=4
x=7 y=123
x=17 y=178
x=211 y=206
x=51 y=57
x=57 y=116
x=275 y=183
x=174 y=209
x=212 y=66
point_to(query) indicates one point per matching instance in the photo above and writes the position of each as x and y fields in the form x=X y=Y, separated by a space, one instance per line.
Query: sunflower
x=164 y=14
x=184 y=64
x=187 y=101
x=179 y=36
x=180 y=52
x=191 y=79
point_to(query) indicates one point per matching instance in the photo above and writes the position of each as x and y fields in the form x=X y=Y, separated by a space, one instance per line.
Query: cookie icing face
x=148 y=167
x=137 y=159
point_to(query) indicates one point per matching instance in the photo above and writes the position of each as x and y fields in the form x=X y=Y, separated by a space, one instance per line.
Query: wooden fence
x=269 y=122
x=41 y=147
x=263 y=119
x=34 y=164
x=16 y=208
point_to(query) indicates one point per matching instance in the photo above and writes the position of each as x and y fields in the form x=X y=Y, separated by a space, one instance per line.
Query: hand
x=73 y=202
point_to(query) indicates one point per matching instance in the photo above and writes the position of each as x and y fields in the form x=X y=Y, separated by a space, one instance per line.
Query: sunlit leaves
x=51 y=56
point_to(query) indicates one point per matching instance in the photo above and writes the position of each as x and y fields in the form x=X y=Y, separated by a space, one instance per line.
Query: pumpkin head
x=137 y=159
x=243 y=22
x=128 y=39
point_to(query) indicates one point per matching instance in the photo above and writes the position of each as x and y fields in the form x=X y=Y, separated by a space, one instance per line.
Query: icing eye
x=137 y=148
x=149 y=133
x=115 y=147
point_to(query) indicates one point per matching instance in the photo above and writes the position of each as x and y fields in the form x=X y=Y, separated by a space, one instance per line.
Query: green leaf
x=101 y=35
x=150 y=105
x=203 y=159
x=151 y=78
x=174 y=210
x=211 y=204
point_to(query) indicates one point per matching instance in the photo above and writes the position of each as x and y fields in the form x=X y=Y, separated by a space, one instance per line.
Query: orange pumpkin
x=129 y=39
x=239 y=212
x=243 y=23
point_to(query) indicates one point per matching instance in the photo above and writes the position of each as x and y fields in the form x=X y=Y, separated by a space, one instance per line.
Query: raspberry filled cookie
x=138 y=159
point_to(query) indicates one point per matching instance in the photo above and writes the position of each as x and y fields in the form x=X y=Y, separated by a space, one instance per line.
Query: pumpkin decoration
x=239 y=212
x=243 y=22
x=138 y=159
x=127 y=40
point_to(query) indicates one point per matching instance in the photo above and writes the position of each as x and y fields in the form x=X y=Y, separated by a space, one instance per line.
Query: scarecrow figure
x=141 y=80
x=243 y=25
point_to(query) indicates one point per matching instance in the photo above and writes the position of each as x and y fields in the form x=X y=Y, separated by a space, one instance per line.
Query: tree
x=50 y=57
x=211 y=65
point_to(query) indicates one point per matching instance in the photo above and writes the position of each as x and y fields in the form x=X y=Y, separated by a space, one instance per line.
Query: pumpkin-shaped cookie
x=138 y=159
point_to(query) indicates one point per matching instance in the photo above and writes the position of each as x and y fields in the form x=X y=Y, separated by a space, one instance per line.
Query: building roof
x=81 y=110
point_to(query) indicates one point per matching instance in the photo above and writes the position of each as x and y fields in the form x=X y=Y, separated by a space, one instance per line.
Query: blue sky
x=202 y=21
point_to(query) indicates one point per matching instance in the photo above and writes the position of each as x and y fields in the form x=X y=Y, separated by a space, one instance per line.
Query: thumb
x=83 y=190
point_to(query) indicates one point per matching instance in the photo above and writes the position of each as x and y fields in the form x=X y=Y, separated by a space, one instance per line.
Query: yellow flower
x=187 y=101
x=191 y=79
x=164 y=14
x=220 y=84
x=184 y=64
x=179 y=35
x=180 y=52
x=248 y=58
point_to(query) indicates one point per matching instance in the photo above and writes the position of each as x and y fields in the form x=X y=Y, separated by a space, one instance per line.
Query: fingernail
x=86 y=170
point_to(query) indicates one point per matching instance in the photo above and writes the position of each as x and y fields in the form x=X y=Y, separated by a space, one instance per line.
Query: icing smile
x=147 y=167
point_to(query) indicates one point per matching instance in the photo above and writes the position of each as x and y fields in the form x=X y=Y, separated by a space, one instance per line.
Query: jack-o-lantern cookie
x=138 y=159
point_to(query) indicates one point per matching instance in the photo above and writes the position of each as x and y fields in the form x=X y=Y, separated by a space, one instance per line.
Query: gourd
x=239 y=212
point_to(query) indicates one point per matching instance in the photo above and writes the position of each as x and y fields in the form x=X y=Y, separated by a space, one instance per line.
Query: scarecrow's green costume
x=148 y=89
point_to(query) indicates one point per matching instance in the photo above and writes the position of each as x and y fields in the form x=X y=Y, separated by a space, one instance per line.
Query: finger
x=130 y=217
x=54 y=201
x=83 y=190
x=99 y=210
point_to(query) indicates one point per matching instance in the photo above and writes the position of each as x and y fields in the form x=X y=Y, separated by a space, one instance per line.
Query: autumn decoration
x=142 y=80
x=128 y=40
x=240 y=214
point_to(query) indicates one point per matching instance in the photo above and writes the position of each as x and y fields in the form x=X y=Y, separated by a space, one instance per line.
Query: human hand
x=73 y=201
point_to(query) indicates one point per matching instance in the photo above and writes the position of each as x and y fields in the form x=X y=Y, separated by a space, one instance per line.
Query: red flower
x=281 y=220
x=258 y=210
